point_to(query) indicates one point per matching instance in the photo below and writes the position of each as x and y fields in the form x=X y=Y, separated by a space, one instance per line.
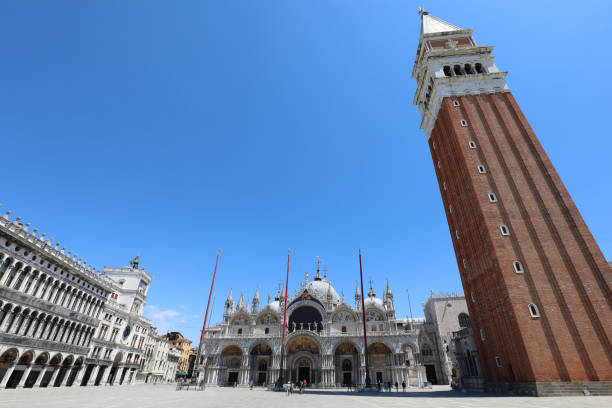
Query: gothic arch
x=268 y=317
x=344 y=342
x=26 y=358
x=9 y=356
x=341 y=311
x=303 y=341
x=241 y=319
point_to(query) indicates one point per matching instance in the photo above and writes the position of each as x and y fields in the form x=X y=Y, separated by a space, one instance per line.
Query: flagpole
x=282 y=362
x=368 y=381
x=212 y=285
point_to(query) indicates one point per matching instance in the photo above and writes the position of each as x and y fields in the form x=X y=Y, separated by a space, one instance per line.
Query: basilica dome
x=320 y=289
x=373 y=302
x=272 y=307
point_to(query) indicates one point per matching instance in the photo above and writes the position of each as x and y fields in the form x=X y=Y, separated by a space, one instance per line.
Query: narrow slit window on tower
x=473 y=297
x=464 y=263
x=433 y=145
x=497 y=361
x=492 y=197
x=438 y=163
x=457 y=234
x=444 y=185
x=450 y=208
x=463 y=122
x=472 y=144
x=504 y=229
x=518 y=267
x=533 y=310
x=447 y=71
x=481 y=169
x=479 y=68
x=482 y=336
x=456 y=103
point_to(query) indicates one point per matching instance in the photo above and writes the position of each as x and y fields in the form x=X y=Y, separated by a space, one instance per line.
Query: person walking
x=403 y=385
x=396 y=387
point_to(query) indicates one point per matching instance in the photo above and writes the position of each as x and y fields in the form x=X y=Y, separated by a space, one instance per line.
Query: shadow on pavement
x=413 y=394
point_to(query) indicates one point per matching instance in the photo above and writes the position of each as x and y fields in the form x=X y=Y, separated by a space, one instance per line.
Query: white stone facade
x=445 y=314
x=50 y=304
x=61 y=322
x=324 y=341
x=120 y=339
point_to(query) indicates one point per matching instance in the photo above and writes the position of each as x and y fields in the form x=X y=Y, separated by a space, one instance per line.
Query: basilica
x=324 y=342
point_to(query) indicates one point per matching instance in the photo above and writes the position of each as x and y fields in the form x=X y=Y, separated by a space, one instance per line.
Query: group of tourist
x=389 y=387
x=290 y=387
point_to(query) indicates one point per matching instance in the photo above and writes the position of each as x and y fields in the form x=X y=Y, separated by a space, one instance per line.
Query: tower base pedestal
x=552 y=388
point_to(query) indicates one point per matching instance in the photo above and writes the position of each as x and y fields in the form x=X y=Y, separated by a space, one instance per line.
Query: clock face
x=127 y=331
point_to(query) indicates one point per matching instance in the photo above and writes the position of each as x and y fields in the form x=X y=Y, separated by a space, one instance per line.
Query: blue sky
x=171 y=129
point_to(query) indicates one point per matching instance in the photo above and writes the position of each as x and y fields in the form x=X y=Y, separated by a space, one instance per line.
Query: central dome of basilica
x=320 y=288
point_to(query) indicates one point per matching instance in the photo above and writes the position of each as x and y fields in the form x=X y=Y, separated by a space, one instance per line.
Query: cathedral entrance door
x=232 y=377
x=347 y=379
x=262 y=378
x=304 y=374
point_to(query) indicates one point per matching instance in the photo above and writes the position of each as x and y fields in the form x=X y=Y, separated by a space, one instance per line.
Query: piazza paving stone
x=153 y=396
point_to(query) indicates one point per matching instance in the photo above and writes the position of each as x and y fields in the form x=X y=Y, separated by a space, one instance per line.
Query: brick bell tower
x=536 y=283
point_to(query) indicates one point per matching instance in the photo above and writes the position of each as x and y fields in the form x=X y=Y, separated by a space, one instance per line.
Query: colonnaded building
x=62 y=323
x=324 y=341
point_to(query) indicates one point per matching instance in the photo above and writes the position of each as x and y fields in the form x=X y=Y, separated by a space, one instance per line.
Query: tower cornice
x=459 y=86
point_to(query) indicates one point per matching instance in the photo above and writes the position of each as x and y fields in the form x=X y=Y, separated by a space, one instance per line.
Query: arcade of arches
x=30 y=369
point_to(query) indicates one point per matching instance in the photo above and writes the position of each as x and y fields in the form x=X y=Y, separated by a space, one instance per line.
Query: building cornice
x=459 y=86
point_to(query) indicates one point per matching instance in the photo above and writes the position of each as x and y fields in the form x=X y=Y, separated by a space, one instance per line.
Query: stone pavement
x=164 y=396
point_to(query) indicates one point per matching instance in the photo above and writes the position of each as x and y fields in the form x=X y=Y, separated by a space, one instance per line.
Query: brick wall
x=565 y=273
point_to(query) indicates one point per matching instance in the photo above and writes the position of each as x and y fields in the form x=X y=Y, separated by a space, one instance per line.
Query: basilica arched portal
x=381 y=361
x=231 y=361
x=346 y=361
x=304 y=359
x=260 y=360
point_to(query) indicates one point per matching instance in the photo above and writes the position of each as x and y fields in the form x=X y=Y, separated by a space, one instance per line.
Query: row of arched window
x=466 y=69
x=14 y=274
x=39 y=325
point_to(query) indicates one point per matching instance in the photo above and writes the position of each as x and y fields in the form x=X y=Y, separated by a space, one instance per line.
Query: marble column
x=7 y=375
x=93 y=376
x=79 y=377
x=54 y=376
x=66 y=377
x=25 y=375
x=41 y=374
x=106 y=375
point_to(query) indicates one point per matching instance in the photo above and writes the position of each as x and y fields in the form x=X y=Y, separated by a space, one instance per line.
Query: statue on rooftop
x=134 y=262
